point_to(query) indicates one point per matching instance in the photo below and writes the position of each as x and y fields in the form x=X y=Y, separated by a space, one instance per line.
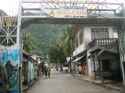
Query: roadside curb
x=30 y=85
x=110 y=87
x=100 y=84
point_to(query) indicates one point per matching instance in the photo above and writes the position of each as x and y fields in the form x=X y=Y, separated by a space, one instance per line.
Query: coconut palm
x=28 y=43
x=66 y=42
x=63 y=48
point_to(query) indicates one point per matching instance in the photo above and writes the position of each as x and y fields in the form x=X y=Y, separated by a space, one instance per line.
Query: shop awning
x=77 y=59
x=98 y=52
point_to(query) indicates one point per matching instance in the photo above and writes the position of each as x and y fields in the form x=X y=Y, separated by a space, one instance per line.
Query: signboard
x=66 y=13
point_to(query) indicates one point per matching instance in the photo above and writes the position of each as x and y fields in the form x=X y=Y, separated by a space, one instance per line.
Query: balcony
x=105 y=43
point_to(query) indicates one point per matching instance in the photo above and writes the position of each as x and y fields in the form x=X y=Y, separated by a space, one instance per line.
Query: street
x=63 y=83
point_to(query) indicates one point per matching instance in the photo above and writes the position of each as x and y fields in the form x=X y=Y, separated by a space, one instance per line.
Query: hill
x=44 y=35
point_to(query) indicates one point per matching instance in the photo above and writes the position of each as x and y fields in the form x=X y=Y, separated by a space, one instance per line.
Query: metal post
x=19 y=45
x=70 y=64
x=123 y=54
x=70 y=44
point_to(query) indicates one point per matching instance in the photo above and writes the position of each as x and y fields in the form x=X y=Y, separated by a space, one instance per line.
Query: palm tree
x=63 y=48
x=66 y=42
x=28 y=43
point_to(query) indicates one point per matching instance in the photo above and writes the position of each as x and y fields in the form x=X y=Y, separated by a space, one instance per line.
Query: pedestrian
x=36 y=70
x=48 y=72
x=80 y=69
x=45 y=71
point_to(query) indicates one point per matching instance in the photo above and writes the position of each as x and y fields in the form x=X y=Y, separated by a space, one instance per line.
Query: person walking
x=45 y=71
x=48 y=72
x=80 y=69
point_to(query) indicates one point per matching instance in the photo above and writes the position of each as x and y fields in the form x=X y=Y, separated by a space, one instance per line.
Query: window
x=98 y=33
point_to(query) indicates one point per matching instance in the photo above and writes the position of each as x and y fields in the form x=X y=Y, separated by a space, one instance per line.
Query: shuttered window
x=98 y=33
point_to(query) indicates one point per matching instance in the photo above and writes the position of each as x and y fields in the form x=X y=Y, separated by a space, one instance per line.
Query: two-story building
x=97 y=50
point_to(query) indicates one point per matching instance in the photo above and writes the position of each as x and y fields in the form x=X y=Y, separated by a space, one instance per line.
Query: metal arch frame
x=8 y=30
x=52 y=5
x=88 y=5
x=48 y=4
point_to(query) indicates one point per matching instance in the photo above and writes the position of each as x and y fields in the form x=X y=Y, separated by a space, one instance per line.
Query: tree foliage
x=56 y=54
x=63 y=47
x=28 y=42
x=45 y=35
x=67 y=42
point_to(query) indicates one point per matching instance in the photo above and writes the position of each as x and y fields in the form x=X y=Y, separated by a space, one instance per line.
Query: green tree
x=44 y=35
x=63 y=47
x=67 y=43
x=28 y=43
x=56 y=54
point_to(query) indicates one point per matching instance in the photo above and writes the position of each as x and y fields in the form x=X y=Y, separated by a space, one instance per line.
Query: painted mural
x=8 y=71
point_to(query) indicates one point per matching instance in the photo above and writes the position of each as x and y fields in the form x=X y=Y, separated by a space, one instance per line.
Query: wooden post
x=20 y=83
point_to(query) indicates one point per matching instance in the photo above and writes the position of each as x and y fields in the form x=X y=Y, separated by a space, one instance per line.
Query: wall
x=9 y=66
x=81 y=47
x=79 y=50
x=87 y=36
x=31 y=72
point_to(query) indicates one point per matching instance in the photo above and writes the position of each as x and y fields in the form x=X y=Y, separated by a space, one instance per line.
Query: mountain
x=45 y=35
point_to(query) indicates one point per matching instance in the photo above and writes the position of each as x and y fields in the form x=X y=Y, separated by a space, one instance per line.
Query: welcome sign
x=66 y=13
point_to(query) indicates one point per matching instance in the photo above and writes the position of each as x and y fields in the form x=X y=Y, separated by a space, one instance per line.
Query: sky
x=11 y=6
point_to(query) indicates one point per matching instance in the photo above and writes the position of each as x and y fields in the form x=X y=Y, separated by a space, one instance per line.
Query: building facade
x=97 y=51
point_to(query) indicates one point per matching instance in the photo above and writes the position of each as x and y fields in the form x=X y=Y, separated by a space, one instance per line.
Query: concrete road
x=61 y=83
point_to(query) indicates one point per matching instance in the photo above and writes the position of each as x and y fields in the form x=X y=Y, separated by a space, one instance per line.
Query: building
x=28 y=68
x=97 y=50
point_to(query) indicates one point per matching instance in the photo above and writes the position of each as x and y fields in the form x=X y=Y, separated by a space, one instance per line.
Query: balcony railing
x=107 y=43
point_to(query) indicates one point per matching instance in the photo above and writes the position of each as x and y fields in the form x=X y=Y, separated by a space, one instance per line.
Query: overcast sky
x=11 y=6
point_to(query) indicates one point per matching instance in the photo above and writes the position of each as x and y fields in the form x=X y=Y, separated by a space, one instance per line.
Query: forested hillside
x=44 y=35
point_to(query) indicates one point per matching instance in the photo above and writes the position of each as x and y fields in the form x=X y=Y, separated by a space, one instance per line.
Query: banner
x=66 y=13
